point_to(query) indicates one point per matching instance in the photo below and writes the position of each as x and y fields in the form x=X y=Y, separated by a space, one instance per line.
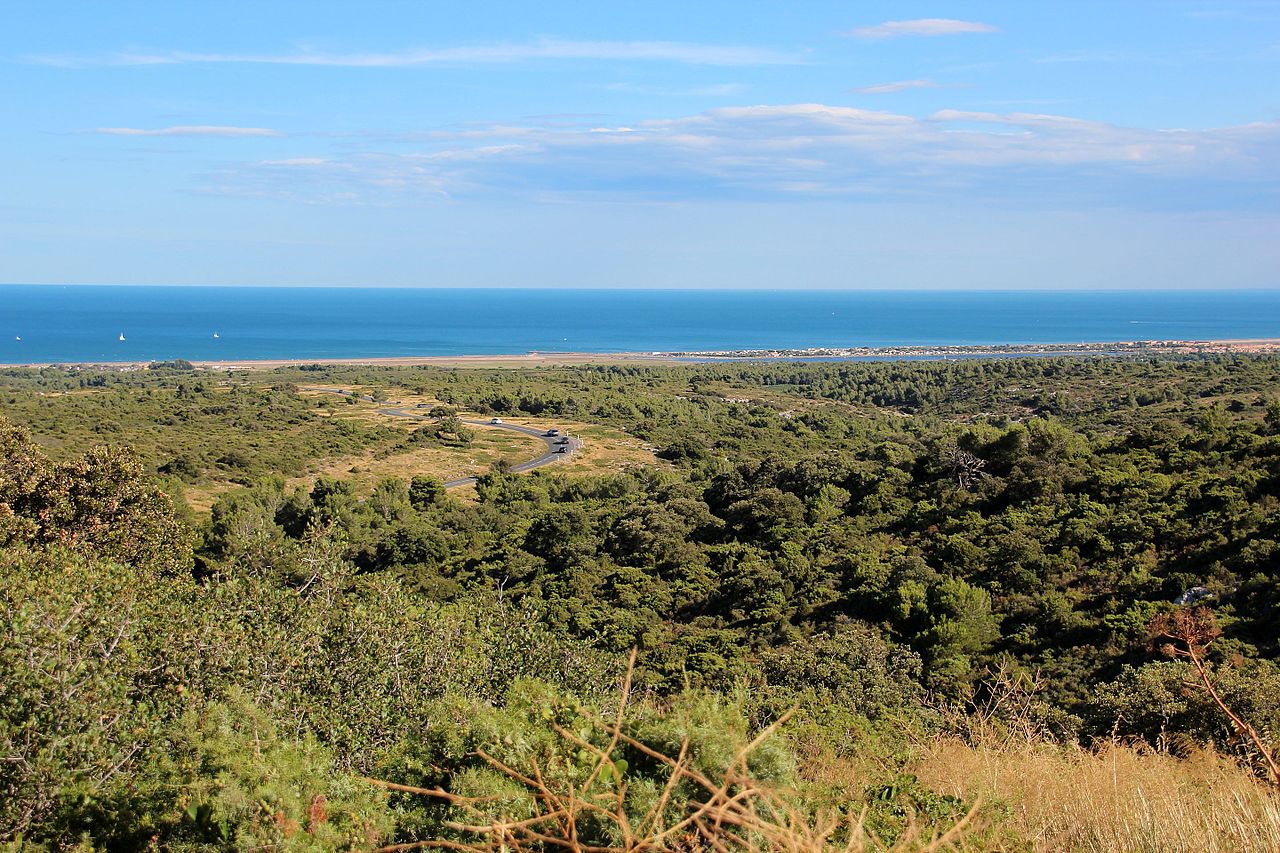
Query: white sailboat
x=216 y=335
x=122 y=336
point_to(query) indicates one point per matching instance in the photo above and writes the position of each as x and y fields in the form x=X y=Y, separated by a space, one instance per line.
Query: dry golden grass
x=604 y=450
x=1116 y=797
x=202 y=497
x=447 y=463
x=365 y=469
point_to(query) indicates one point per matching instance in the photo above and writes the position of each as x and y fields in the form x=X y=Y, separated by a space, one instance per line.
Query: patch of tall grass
x=1114 y=796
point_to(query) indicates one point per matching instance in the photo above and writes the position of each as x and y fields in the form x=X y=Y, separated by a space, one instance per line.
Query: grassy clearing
x=604 y=449
x=1042 y=796
x=366 y=469
x=202 y=496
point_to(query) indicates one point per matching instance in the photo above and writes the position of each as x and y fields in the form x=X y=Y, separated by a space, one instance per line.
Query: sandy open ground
x=532 y=359
x=500 y=360
x=497 y=360
x=562 y=359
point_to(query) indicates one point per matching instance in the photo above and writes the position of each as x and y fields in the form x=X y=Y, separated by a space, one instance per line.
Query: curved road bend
x=551 y=455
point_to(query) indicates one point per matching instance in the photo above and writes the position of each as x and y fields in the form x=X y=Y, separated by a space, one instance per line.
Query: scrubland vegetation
x=872 y=606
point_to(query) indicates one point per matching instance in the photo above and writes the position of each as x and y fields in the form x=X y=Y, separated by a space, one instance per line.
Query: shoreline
x=568 y=359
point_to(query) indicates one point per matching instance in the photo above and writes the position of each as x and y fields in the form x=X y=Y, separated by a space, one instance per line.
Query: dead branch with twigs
x=1187 y=633
x=962 y=466
x=727 y=813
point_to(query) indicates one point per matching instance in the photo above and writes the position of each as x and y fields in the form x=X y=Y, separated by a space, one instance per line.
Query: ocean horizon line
x=86 y=323
x=1153 y=289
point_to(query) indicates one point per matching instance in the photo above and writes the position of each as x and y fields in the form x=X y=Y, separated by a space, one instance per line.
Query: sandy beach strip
x=494 y=360
x=569 y=359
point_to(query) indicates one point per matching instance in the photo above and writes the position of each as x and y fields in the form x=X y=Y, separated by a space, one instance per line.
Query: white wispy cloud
x=298 y=161
x=189 y=130
x=542 y=49
x=715 y=90
x=818 y=150
x=921 y=27
x=1093 y=56
x=897 y=86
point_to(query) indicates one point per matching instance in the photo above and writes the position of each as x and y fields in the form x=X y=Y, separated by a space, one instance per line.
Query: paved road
x=551 y=455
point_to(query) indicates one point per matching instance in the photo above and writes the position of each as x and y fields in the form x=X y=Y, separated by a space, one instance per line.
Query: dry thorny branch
x=1187 y=633
x=732 y=813
x=1007 y=708
x=963 y=466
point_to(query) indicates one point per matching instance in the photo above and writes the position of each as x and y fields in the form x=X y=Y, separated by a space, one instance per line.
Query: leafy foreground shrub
x=252 y=789
x=100 y=504
x=103 y=746
x=105 y=669
x=555 y=774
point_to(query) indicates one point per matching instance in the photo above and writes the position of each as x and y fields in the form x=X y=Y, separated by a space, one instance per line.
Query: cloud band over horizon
x=925 y=27
x=189 y=130
x=485 y=54
x=793 y=151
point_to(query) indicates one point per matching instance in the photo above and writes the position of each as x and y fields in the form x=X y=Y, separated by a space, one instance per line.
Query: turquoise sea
x=55 y=323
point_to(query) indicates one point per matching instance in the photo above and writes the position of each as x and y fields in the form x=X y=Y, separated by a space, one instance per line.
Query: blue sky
x=1028 y=144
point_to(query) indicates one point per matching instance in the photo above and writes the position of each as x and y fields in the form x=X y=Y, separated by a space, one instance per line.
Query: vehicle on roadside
x=551 y=432
x=495 y=420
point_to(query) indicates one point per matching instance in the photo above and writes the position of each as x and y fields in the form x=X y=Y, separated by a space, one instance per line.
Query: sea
x=105 y=323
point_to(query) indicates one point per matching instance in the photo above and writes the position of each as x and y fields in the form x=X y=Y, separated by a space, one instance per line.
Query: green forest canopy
x=869 y=542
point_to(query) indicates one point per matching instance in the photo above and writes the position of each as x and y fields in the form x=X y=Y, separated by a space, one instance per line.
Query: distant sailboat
x=216 y=335
x=122 y=336
x=17 y=337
